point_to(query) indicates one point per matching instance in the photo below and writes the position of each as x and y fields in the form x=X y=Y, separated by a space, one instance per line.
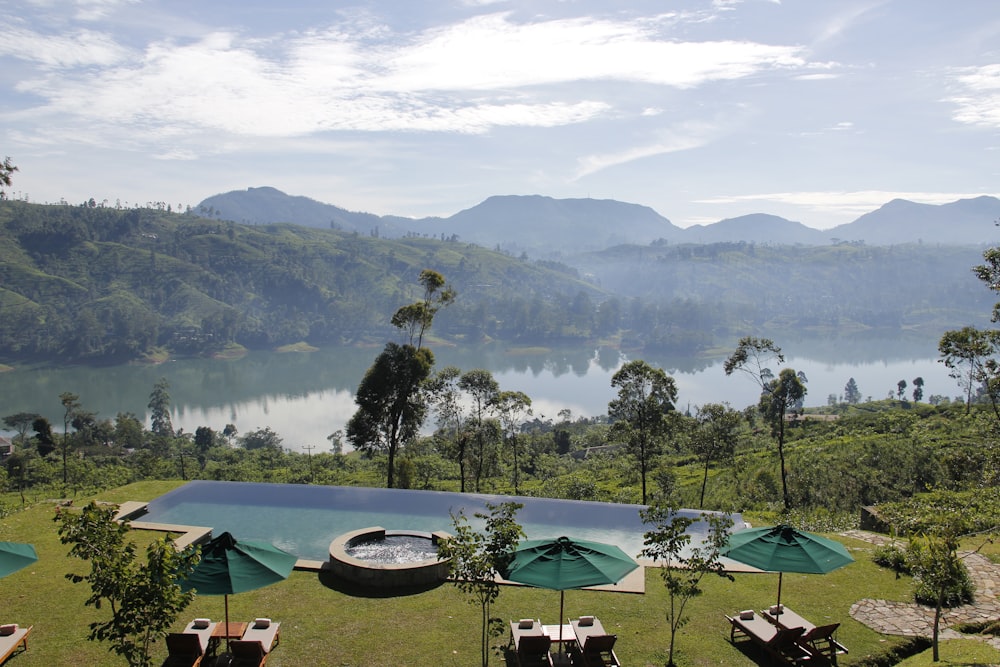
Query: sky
x=814 y=110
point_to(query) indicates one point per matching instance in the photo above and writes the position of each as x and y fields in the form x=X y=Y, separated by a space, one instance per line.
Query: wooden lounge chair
x=184 y=649
x=595 y=647
x=204 y=628
x=780 y=644
x=265 y=631
x=817 y=639
x=15 y=637
x=247 y=653
x=532 y=647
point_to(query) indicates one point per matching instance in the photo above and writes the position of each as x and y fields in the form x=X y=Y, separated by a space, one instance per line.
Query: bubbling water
x=394 y=549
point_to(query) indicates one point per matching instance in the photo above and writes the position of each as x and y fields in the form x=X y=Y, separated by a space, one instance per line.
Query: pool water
x=304 y=519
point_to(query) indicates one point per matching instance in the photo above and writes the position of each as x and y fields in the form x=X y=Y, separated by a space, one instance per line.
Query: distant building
x=6 y=447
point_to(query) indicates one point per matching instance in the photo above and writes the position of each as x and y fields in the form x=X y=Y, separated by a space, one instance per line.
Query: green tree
x=391 y=403
x=482 y=388
x=453 y=434
x=779 y=395
x=144 y=597
x=639 y=414
x=714 y=438
x=477 y=559
x=901 y=389
x=159 y=406
x=7 y=169
x=754 y=357
x=852 y=395
x=512 y=408
x=918 y=389
x=417 y=317
x=20 y=422
x=71 y=406
x=965 y=352
x=682 y=566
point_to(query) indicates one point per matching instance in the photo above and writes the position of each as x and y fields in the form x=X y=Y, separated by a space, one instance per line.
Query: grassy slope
x=435 y=627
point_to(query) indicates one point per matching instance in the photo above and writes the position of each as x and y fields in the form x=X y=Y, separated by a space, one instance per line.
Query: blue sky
x=815 y=110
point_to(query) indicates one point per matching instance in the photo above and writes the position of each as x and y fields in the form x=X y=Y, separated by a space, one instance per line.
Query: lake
x=306 y=396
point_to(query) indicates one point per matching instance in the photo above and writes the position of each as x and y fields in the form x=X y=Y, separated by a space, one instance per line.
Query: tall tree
x=453 y=432
x=780 y=394
x=901 y=389
x=965 y=352
x=918 y=389
x=417 y=317
x=482 y=389
x=20 y=422
x=7 y=169
x=71 y=405
x=512 y=407
x=754 y=356
x=714 y=437
x=159 y=406
x=639 y=413
x=391 y=403
x=852 y=395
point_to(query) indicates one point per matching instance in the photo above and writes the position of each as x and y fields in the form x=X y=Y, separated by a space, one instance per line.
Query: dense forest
x=94 y=282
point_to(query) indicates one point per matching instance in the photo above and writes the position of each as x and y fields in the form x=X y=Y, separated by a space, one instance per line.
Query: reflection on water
x=304 y=397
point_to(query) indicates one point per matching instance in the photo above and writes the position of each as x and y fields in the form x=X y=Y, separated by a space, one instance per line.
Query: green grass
x=324 y=623
x=957 y=652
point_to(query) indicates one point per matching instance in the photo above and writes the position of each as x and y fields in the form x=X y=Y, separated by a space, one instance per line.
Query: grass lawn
x=325 y=624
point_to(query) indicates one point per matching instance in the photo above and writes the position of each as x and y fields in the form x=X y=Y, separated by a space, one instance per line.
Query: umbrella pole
x=779 y=590
x=227 y=622
x=562 y=596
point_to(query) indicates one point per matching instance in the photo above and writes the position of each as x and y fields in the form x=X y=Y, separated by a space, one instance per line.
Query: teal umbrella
x=14 y=556
x=784 y=549
x=230 y=566
x=562 y=564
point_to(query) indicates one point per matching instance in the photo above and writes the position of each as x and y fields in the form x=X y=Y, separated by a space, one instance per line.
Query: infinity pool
x=304 y=519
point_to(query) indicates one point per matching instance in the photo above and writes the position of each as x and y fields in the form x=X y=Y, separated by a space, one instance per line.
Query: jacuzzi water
x=304 y=519
x=394 y=549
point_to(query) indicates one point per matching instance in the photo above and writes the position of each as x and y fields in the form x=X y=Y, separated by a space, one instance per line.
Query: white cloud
x=981 y=103
x=683 y=137
x=80 y=48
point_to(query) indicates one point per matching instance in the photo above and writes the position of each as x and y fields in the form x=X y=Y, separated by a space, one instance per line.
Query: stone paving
x=914 y=620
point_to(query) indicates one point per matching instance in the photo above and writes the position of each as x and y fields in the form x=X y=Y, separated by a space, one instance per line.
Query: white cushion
x=776 y=609
x=586 y=620
x=746 y=615
x=261 y=622
x=8 y=629
x=201 y=623
x=525 y=624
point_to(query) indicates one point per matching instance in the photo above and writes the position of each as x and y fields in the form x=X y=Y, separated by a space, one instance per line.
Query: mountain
x=756 y=228
x=546 y=227
x=532 y=222
x=966 y=221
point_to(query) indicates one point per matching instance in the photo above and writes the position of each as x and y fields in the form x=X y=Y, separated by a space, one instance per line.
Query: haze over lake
x=304 y=397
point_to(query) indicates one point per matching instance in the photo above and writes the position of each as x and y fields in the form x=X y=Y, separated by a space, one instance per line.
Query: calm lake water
x=304 y=397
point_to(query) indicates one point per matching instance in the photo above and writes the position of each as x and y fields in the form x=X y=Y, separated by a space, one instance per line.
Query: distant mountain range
x=544 y=226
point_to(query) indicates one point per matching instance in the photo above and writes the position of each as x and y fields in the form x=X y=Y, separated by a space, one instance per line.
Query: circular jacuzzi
x=388 y=558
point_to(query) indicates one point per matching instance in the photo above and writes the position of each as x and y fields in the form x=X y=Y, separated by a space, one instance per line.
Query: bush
x=963 y=591
x=892 y=557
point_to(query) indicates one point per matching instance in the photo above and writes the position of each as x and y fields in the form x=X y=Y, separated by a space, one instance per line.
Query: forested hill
x=83 y=282
x=88 y=282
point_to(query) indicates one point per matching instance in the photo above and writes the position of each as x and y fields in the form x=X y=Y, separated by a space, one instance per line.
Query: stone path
x=914 y=620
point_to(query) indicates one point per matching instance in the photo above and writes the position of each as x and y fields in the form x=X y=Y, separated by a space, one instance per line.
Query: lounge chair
x=204 y=628
x=184 y=649
x=781 y=644
x=265 y=631
x=595 y=647
x=247 y=653
x=11 y=637
x=817 y=639
x=532 y=647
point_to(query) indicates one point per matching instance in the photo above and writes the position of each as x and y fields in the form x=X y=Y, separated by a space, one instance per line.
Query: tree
x=478 y=558
x=482 y=389
x=852 y=395
x=159 y=406
x=261 y=439
x=682 y=567
x=145 y=598
x=918 y=389
x=453 y=432
x=417 y=317
x=965 y=353
x=715 y=434
x=900 y=389
x=20 y=422
x=391 y=403
x=71 y=405
x=639 y=413
x=512 y=407
x=7 y=170
x=754 y=357
x=779 y=395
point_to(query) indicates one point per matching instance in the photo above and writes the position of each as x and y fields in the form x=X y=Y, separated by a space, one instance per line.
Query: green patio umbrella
x=230 y=566
x=14 y=556
x=561 y=564
x=784 y=549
